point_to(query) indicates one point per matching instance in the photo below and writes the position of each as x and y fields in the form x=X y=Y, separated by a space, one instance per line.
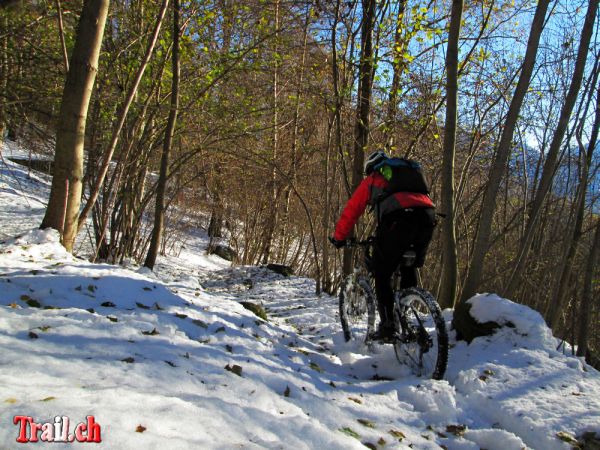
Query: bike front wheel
x=357 y=307
x=421 y=339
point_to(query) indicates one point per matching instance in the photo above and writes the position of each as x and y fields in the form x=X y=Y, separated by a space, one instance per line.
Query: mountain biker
x=405 y=222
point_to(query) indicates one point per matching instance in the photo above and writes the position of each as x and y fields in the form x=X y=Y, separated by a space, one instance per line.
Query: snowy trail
x=173 y=360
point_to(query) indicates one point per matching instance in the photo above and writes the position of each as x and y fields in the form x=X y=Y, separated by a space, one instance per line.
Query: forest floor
x=171 y=358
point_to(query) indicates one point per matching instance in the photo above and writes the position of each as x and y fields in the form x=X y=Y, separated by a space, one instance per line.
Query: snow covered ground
x=171 y=359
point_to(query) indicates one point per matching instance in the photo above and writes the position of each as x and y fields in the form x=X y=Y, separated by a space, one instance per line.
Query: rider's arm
x=353 y=210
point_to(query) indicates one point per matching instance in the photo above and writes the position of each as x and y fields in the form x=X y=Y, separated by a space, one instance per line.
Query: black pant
x=399 y=231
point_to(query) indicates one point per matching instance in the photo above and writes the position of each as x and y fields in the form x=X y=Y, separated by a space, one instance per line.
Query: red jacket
x=367 y=193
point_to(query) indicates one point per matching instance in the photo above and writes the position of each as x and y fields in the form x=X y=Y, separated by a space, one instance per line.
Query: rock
x=225 y=252
x=281 y=269
x=466 y=326
x=257 y=309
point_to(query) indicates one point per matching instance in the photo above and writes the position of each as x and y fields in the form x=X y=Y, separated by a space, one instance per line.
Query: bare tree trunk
x=450 y=271
x=503 y=152
x=550 y=164
x=95 y=189
x=587 y=301
x=3 y=77
x=294 y=157
x=272 y=218
x=326 y=207
x=338 y=97
x=398 y=64
x=363 y=107
x=62 y=211
x=566 y=263
x=159 y=212
x=61 y=33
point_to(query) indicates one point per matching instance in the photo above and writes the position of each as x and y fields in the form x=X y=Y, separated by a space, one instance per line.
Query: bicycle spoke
x=422 y=342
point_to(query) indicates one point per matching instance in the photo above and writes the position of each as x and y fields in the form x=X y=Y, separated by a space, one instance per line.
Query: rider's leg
x=386 y=256
x=426 y=222
x=408 y=277
x=383 y=290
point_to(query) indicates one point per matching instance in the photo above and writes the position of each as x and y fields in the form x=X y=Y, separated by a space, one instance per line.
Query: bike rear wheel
x=421 y=339
x=357 y=308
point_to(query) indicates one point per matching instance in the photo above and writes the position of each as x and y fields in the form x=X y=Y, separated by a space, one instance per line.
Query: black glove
x=336 y=243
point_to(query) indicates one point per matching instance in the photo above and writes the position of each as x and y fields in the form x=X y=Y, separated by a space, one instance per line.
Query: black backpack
x=403 y=175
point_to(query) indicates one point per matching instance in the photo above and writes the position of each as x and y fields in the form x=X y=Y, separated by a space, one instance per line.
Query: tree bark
x=502 y=154
x=398 y=64
x=566 y=263
x=450 y=270
x=61 y=33
x=550 y=164
x=363 y=107
x=159 y=211
x=587 y=301
x=273 y=194
x=95 y=189
x=62 y=211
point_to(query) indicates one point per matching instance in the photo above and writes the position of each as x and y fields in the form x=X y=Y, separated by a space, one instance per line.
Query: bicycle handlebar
x=352 y=242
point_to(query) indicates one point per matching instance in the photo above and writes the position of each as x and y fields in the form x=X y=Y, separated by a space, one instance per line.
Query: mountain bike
x=420 y=337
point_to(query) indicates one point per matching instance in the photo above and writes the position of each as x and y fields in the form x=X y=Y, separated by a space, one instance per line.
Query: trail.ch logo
x=57 y=431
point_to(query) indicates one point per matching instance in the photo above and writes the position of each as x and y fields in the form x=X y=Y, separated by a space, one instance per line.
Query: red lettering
x=35 y=429
x=79 y=430
x=93 y=430
x=22 y=420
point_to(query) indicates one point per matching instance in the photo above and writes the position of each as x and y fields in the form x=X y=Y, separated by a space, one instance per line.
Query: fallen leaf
x=47 y=399
x=381 y=442
x=235 y=369
x=315 y=366
x=112 y=318
x=202 y=324
x=32 y=335
x=10 y=400
x=567 y=437
x=365 y=422
x=355 y=400
x=140 y=429
x=30 y=301
x=44 y=328
x=369 y=445
x=456 y=430
x=350 y=432
x=154 y=332
x=397 y=434
x=286 y=393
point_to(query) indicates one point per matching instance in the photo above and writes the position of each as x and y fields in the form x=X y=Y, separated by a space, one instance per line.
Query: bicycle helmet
x=373 y=159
